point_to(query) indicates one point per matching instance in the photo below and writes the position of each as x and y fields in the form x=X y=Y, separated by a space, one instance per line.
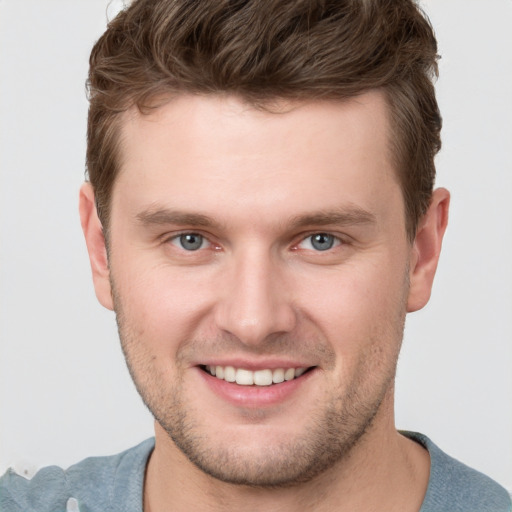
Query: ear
x=426 y=250
x=95 y=240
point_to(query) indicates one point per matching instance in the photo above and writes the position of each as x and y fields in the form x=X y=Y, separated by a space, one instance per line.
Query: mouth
x=263 y=377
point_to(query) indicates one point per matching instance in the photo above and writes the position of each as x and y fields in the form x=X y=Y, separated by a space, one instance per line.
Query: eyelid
x=339 y=238
x=337 y=241
x=176 y=241
x=173 y=237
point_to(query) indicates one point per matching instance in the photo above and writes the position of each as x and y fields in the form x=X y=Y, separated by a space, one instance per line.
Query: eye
x=190 y=241
x=320 y=242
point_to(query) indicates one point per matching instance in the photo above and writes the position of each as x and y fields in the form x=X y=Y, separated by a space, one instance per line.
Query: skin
x=257 y=293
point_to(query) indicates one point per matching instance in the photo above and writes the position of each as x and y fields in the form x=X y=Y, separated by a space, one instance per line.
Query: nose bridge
x=255 y=304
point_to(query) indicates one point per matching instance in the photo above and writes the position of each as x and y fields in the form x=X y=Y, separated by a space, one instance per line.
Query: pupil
x=191 y=241
x=322 y=241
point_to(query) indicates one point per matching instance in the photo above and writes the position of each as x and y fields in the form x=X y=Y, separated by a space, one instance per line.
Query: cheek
x=160 y=304
x=354 y=306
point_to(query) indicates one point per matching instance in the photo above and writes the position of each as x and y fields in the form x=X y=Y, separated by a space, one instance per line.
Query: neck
x=383 y=471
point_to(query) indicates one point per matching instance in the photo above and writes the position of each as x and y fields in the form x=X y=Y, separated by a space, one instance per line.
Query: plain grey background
x=64 y=391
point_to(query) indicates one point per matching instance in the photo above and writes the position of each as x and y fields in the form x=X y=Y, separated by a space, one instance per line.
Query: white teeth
x=263 y=377
x=289 y=374
x=278 y=376
x=298 y=371
x=229 y=374
x=258 y=377
x=244 y=377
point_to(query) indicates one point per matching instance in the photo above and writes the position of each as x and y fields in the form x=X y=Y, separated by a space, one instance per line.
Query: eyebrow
x=347 y=216
x=164 y=216
x=351 y=215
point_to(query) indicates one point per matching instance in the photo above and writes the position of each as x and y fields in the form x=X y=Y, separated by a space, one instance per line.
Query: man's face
x=257 y=243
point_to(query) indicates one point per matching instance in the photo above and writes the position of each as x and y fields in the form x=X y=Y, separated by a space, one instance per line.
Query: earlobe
x=426 y=250
x=95 y=240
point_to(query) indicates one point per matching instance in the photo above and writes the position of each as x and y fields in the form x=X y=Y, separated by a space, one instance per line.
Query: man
x=261 y=216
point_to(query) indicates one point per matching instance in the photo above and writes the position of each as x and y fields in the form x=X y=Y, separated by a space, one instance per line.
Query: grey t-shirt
x=115 y=484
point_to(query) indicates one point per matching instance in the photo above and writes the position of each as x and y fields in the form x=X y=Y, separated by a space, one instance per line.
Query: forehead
x=211 y=152
x=194 y=116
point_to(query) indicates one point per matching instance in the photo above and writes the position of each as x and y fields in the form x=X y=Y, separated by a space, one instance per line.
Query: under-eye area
x=266 y=377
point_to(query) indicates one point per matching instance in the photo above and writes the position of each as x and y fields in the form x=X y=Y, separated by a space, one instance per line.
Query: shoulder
x=96 y=483
x=455 y=487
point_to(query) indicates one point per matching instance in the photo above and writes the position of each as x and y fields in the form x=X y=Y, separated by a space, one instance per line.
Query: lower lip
x=255 y=396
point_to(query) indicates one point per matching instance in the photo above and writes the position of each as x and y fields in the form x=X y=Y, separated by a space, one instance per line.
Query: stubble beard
x=327 y=440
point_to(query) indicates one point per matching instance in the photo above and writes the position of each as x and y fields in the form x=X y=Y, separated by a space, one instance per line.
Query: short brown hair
x=263 y=50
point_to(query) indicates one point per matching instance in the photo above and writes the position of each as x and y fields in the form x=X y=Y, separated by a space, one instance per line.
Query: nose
x=256 y=303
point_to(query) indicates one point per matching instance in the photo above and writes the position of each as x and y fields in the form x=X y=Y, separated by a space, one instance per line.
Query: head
x=261 y=174
x=264 y=52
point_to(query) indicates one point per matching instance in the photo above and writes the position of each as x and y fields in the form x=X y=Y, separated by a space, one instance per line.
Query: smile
x=264 y=377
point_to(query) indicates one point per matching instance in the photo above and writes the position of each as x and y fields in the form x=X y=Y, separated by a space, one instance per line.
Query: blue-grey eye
x=322 y=241
x=191 y=241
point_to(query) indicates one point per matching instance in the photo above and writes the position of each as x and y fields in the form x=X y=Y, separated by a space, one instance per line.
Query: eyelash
x=177 y=240
x=336 y=241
